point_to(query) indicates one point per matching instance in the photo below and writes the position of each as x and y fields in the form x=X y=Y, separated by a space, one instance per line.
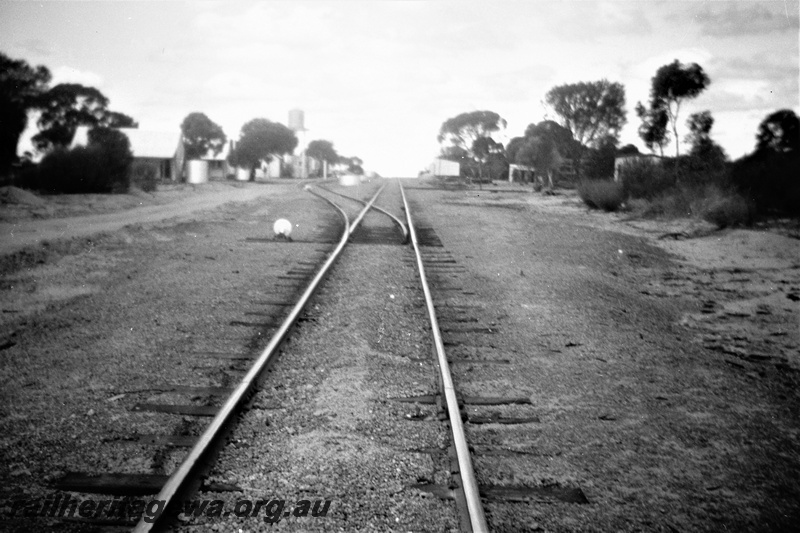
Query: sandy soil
x=747 y=280
x=27 y=219
x=664 y=373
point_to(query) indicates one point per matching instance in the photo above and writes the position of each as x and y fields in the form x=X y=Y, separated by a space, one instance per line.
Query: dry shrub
x=721 y=206
x=645 y=179
x=727 y=210
x=144 y=176
x=602 y=194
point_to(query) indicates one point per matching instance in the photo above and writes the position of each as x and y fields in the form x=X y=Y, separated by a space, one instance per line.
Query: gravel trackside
x=661 y=376
x=89 y=335
x=661 y=429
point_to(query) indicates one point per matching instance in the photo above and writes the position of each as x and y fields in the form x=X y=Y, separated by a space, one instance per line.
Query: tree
x=485 y=149
x=115 y=154
x=65 y=107
x=323 y=151
x=562 y=138
x=699 y=125
x=628 y=149
x=768 y=176
x=540 y=153
x=599 y=160
x=512 y=148
x=705 y=154
x=259 y=140
x=201 y=135
x=20 y=87
x=779 y=132
x=653 y=130
x=354 y=165
x=115 y=119
x=453 y=153
x=462 y=131
x=673 y=84
x=544 y=147
x=590 y=110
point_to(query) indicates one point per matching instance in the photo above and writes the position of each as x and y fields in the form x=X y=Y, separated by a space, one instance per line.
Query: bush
x=598 y=164
x=645 y=179
x=101 y=167
x=115 y=151
x=770 y=180
x=730 y=210
x=145 y=176
x=69 y=171
x=602 y=194
x=697 y=171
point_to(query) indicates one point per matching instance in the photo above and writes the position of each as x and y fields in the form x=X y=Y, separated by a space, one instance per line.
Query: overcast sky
x=378 y=78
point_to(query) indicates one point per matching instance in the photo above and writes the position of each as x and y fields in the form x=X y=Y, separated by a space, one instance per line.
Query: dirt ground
x=661 y=358
x=664 y=371
x=27 y=219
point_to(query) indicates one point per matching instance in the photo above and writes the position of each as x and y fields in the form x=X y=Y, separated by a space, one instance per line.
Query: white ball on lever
x=282 y=227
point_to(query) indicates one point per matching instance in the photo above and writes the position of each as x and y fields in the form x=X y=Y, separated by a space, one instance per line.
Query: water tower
x=297 y=125
x=297 y=120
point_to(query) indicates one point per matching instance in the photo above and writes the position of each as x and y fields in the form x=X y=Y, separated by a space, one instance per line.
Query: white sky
x=378 y=78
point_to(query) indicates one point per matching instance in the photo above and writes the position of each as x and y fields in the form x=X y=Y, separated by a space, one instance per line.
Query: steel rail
x=396 y=220
x=182 y=475
x=477 y=516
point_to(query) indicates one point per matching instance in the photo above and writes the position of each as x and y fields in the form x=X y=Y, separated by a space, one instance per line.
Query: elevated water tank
x=297 y=120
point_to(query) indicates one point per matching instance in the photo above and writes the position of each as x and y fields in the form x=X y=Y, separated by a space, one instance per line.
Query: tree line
x=590 y=117
x=104 y=164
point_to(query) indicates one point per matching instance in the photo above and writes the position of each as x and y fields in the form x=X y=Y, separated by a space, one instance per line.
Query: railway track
x=284 y=313
x=565 y=378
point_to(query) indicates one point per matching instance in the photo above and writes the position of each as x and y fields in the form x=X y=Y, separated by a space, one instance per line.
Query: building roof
x=144 y=143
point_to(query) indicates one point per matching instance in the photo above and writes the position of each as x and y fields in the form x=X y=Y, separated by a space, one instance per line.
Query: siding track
x=184 y=480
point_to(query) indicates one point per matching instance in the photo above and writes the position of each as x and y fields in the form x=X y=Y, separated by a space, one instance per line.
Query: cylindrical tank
x=296 y=120
x=348 y=180
x=197 y=171
x=242 y=174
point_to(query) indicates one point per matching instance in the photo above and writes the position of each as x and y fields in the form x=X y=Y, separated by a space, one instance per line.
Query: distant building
x=444 y=168
x=161 y=151
x=218 y=166
x=271 y=170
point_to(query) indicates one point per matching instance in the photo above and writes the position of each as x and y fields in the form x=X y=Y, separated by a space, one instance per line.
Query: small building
x=218 y=166
x=444 y=168
x=620 y=162
x=161 y=151
x=270 y=170
x=525 y=173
